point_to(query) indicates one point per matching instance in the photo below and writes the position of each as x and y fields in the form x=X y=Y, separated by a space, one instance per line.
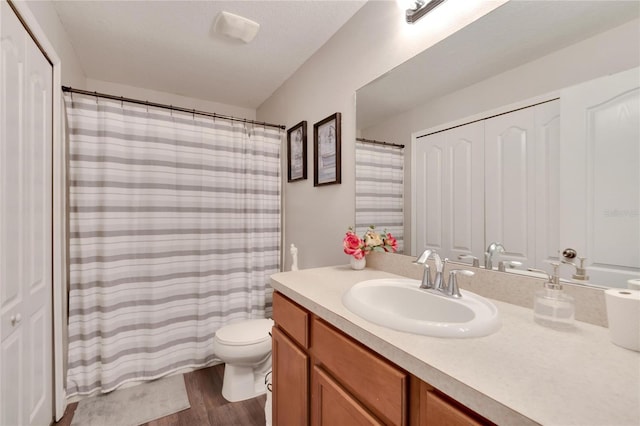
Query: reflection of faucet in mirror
x=504 y=264
x=581 y=271
x=475 y=262
x=492 y=250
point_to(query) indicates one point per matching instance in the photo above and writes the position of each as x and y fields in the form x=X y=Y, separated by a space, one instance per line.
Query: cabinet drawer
x=378 y=384
x=291 y=318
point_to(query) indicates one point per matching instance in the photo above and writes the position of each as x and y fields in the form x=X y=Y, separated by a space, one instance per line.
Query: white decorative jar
x=358 y=264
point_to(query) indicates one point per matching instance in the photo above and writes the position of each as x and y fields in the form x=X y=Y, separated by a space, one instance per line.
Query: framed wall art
x=326 y=151
x=297 y=152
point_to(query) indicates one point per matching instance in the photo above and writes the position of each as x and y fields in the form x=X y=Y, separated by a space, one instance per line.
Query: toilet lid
x=245 y=332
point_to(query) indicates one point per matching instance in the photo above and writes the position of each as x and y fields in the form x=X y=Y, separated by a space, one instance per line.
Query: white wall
x=609 y=52
x=374 y=41
x=117 y=89
x=72 y=73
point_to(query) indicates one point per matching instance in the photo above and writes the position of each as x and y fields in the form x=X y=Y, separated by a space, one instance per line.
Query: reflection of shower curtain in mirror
x=174 y=231
x=380 y=189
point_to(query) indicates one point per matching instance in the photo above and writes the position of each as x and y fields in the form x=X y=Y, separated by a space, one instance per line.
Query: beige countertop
x=522 y=374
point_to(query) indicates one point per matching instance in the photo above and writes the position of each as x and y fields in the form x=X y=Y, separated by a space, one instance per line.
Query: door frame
x=59 y=261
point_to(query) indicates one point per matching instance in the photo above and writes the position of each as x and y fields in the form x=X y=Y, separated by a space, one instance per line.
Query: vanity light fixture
x=421 y=8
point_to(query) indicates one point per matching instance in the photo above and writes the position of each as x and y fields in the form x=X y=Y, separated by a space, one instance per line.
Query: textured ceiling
x=169 y=46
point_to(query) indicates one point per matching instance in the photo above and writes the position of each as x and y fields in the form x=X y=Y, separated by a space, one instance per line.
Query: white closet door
x=547 y=168
x=25 y=228
x=600 y=176
x=450 y=191
x=428 y=204
x=510 y=184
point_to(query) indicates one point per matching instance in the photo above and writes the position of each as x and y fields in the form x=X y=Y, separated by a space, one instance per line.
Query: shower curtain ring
x=121 y=102
x=194 y=113
x=96 y=95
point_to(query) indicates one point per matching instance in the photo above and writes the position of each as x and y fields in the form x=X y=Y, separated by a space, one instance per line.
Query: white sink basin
x=401 y=305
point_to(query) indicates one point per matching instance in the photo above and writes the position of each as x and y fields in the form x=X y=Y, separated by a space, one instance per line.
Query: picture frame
x=297 y=152
x=327 y=151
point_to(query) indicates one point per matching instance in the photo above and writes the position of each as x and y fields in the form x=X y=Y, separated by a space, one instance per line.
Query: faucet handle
x=475 y=261
x=504 y=264
x=452 y=286
x=426 y=278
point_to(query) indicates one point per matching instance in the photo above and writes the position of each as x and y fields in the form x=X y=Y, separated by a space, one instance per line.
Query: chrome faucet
x=426 y=277
x=438 y=286
x=492 y=250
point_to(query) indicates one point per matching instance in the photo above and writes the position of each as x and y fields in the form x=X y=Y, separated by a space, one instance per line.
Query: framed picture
x=297 y=152
x=326 y=151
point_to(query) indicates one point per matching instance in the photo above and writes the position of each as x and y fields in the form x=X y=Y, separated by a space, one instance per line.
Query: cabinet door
x=510 y=184
x=449 y=191
x=600 y=176
x=332 y=405
x=290 y=382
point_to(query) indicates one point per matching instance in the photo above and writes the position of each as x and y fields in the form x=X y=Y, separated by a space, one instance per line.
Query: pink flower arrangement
x=371 y=241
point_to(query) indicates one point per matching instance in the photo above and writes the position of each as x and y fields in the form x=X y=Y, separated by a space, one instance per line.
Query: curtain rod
x=171 y=107
x=400 y=146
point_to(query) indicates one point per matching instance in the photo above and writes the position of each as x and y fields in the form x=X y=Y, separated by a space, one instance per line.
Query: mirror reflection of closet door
x=449 y=191
x=600 y=176
x=510 y=184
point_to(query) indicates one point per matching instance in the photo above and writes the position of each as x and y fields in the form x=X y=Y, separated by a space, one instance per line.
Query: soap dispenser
x=552 y=307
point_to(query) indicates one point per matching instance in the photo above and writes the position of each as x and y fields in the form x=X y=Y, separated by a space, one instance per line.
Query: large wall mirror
x=544 y=63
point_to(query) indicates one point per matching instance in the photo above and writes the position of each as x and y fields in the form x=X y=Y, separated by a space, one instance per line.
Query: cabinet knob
x=15 y=319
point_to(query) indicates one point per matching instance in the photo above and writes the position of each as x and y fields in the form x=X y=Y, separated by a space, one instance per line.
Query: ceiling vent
x=235 y=26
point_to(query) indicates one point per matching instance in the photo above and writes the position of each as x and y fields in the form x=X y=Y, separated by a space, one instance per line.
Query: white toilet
x=245 y=348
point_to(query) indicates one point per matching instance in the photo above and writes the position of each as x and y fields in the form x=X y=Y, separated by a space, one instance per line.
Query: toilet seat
x=246 y=332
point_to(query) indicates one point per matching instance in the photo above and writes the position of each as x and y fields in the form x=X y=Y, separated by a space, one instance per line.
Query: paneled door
x=547 y=194
x=449 y=191
x=25 y=227
x=510 y=184
x=600 y=176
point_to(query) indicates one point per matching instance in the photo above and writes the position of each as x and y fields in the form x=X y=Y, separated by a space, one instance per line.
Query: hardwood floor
x=208 y=407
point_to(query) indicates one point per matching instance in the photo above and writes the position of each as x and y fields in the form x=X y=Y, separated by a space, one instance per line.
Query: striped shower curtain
x=380 y=189
x=174 y=230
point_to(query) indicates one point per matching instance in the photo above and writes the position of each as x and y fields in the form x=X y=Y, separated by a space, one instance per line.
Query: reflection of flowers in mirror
x=370 y=241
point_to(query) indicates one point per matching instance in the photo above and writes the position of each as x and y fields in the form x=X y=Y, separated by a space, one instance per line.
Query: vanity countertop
x=522 y=374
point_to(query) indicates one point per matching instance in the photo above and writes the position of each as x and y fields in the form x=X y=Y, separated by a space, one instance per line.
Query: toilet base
x=240 y=383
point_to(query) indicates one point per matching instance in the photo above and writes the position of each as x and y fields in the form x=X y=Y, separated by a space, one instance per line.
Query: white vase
x=358 y=264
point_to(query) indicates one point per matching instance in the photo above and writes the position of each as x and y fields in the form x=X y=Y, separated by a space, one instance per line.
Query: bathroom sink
x=401 y=305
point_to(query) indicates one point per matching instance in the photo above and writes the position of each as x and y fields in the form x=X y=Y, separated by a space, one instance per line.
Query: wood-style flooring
x=208 y=407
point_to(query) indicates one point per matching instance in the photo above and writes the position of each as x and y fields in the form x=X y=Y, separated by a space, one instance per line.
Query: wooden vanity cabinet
x=290 y=363
x=322 y=377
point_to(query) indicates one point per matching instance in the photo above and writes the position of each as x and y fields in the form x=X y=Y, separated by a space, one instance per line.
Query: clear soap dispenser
x=552 y=307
